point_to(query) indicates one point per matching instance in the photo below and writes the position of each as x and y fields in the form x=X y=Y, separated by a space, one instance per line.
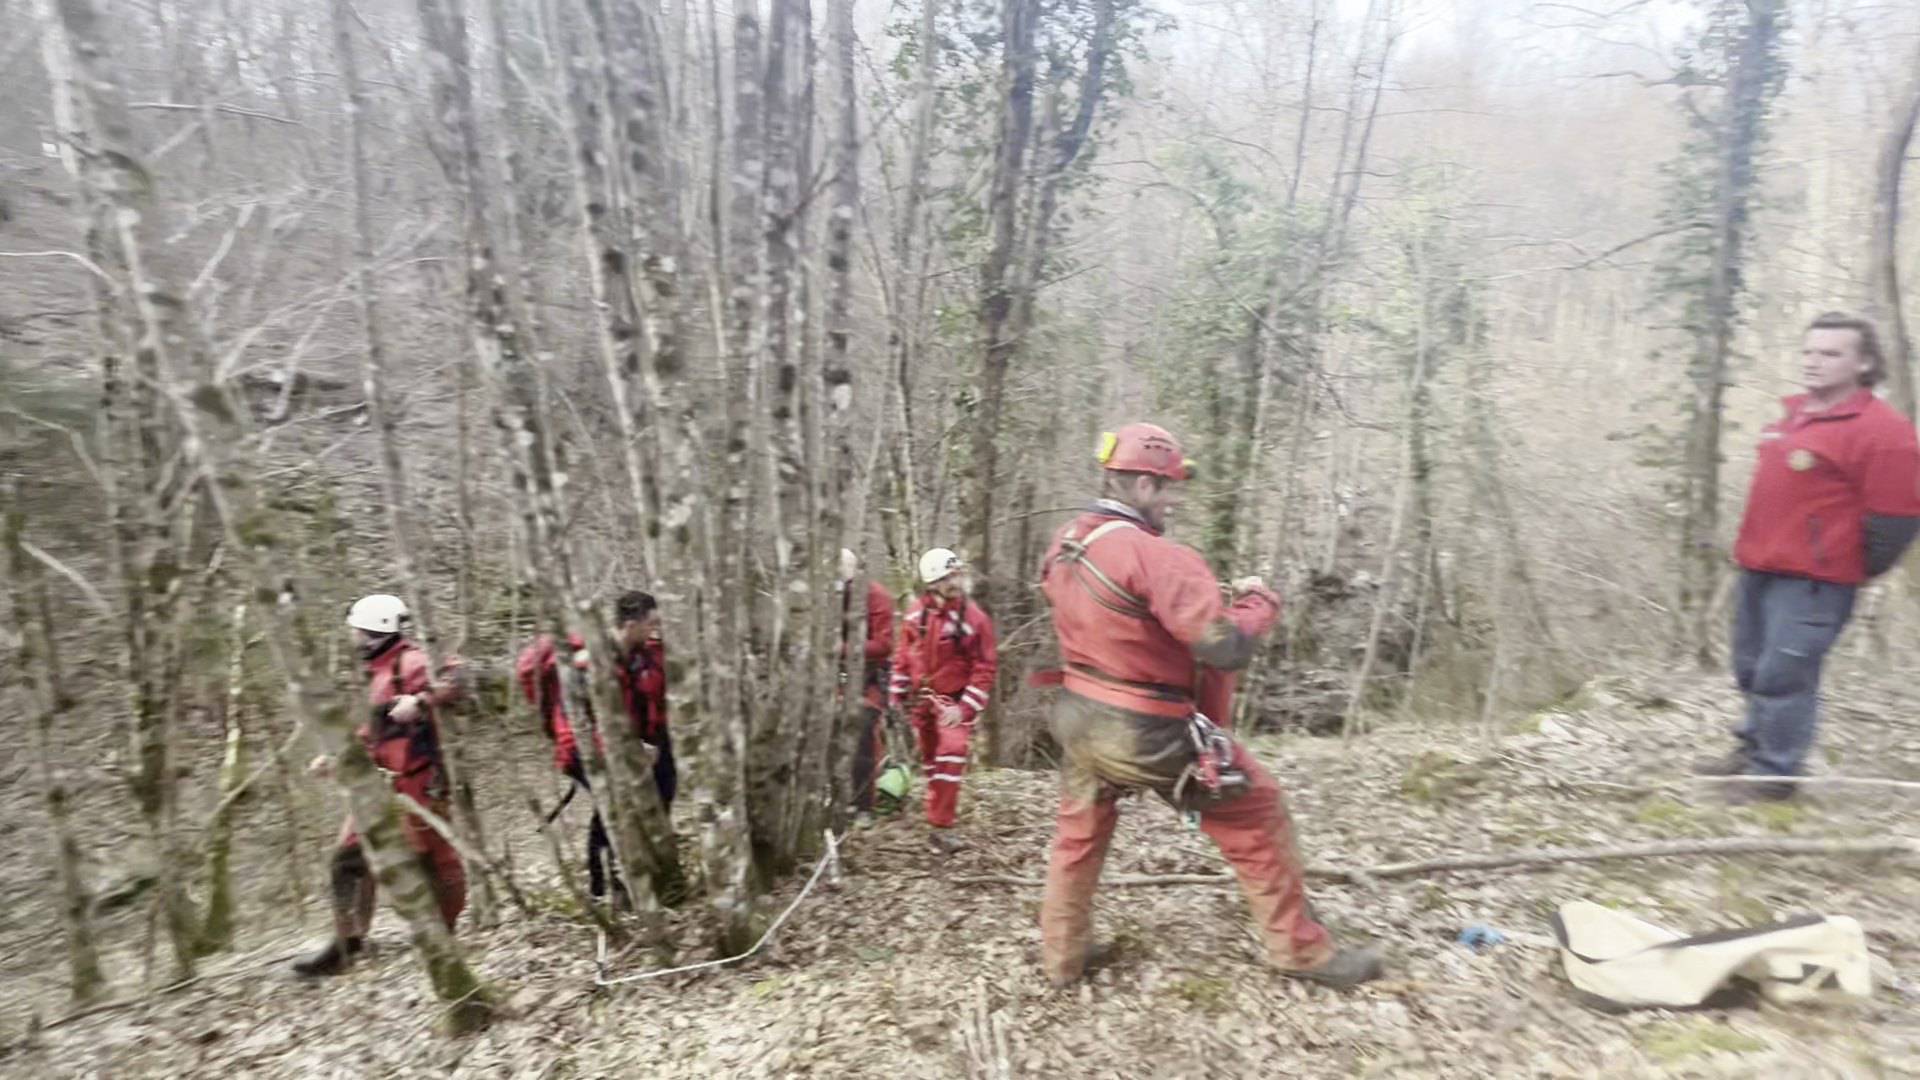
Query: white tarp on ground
x=1618 y=961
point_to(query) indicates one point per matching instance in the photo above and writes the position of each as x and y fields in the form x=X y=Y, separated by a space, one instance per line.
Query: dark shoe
x=1734 y=764
x=945 y=842
x=1097 y=955
x=1752 y=793
x=336 y=958
x=1345 y=968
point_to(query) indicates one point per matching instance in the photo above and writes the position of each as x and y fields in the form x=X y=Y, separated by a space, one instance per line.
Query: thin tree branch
x=74 y=255
x=86 y=588
x=233 y=110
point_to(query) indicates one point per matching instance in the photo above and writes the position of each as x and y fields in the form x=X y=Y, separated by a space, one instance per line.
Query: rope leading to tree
x=831 y=860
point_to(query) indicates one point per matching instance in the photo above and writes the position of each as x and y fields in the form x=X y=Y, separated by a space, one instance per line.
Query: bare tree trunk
x=37 y=669
x=909 y=283
x=1408 y=498
x=1743 y=119
x=146 y=496
x=402 y=525
x=837 y=653
x=115 y=177
x=998 y=282
x=216 y=929
x=602 y=211
x=1885 y=261
x=778 y=761
x=636 y=819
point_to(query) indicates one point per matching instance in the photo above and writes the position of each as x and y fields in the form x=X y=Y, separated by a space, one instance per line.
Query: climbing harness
x=1212 y=767
x=1104 y=590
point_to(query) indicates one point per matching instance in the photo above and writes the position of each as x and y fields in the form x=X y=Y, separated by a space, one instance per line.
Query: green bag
x=890 y=790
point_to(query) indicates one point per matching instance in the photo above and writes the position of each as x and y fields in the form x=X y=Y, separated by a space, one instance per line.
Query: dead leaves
x=903 y=972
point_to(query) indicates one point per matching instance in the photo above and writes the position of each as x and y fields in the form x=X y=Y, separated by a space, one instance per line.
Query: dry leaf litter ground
x=900 y=972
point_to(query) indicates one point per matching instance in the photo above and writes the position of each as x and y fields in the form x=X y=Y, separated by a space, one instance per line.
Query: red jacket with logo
x=1142 y=623
x=412 y=747
x=946 y=648
x=643 y=688
x=1820 y=475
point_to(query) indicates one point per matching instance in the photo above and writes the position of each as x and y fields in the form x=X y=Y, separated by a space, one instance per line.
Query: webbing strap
x=1091 y=578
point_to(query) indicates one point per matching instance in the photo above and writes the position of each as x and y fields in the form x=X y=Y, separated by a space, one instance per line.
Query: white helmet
x=380 y=613
x=938 y=565
x=849 y=564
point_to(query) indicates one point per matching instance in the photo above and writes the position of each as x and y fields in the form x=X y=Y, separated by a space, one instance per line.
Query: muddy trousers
x=1108 y=751
x=943 y=752
x=353 y=877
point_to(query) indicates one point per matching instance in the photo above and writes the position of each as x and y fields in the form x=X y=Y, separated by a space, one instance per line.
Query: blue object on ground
x=1479 y=937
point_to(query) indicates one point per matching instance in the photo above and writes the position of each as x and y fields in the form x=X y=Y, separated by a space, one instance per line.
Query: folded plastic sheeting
x=1617 y=961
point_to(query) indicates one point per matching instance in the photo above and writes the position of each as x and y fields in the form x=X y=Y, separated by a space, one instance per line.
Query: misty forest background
x=1470 y=311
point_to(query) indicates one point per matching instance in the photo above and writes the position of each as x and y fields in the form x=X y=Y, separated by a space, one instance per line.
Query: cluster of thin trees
x=503 y=308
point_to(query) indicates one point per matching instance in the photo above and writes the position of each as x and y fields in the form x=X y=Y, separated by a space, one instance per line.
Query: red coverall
x=946 y=653
x=1137 y=663
x=873 y=688
x=538 y=670
x=410 y=754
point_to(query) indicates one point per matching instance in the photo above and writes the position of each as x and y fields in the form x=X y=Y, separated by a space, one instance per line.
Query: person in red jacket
x=1835 y=502
x=538 y=670
x=642 y=676
x=642 y=671
x=403 y=739
x=943 y=672
x=1149 y=647
x=871 y=749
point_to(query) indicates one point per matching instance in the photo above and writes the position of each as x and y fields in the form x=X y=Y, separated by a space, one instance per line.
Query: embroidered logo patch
x=1801 y=460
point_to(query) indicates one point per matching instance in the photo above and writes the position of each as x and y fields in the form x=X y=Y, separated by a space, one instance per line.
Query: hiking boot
x=863 y=820
x=335 y=959
x=1750 y=794
x=1734 y=764
x=945 y=842
x=1096 y=956
x=1345 y=968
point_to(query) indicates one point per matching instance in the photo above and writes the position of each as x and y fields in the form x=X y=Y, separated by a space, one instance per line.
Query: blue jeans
x=1782 y=629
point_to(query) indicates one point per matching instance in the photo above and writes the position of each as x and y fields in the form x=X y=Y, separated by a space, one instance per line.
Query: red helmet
x=1144 y=448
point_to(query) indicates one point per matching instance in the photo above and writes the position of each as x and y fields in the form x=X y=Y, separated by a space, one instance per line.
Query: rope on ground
x=830 y=859
x=1731 y=845
x=1810 y=781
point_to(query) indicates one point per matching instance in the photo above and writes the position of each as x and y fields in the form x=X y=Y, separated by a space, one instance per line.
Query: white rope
x=830 y=859
x=1858 y=781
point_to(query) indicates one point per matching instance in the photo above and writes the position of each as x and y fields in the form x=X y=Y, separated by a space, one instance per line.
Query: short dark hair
x=1869 y=341
x=1118 y=483
x=633 y=606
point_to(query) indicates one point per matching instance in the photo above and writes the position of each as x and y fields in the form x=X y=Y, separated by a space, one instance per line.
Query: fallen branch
x=1857 y=781
x=1734 y=845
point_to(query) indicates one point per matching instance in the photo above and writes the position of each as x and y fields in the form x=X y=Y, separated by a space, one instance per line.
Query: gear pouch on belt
x=1211 y=778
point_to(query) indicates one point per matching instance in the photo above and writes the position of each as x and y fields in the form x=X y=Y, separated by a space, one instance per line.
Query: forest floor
x=900 y=971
